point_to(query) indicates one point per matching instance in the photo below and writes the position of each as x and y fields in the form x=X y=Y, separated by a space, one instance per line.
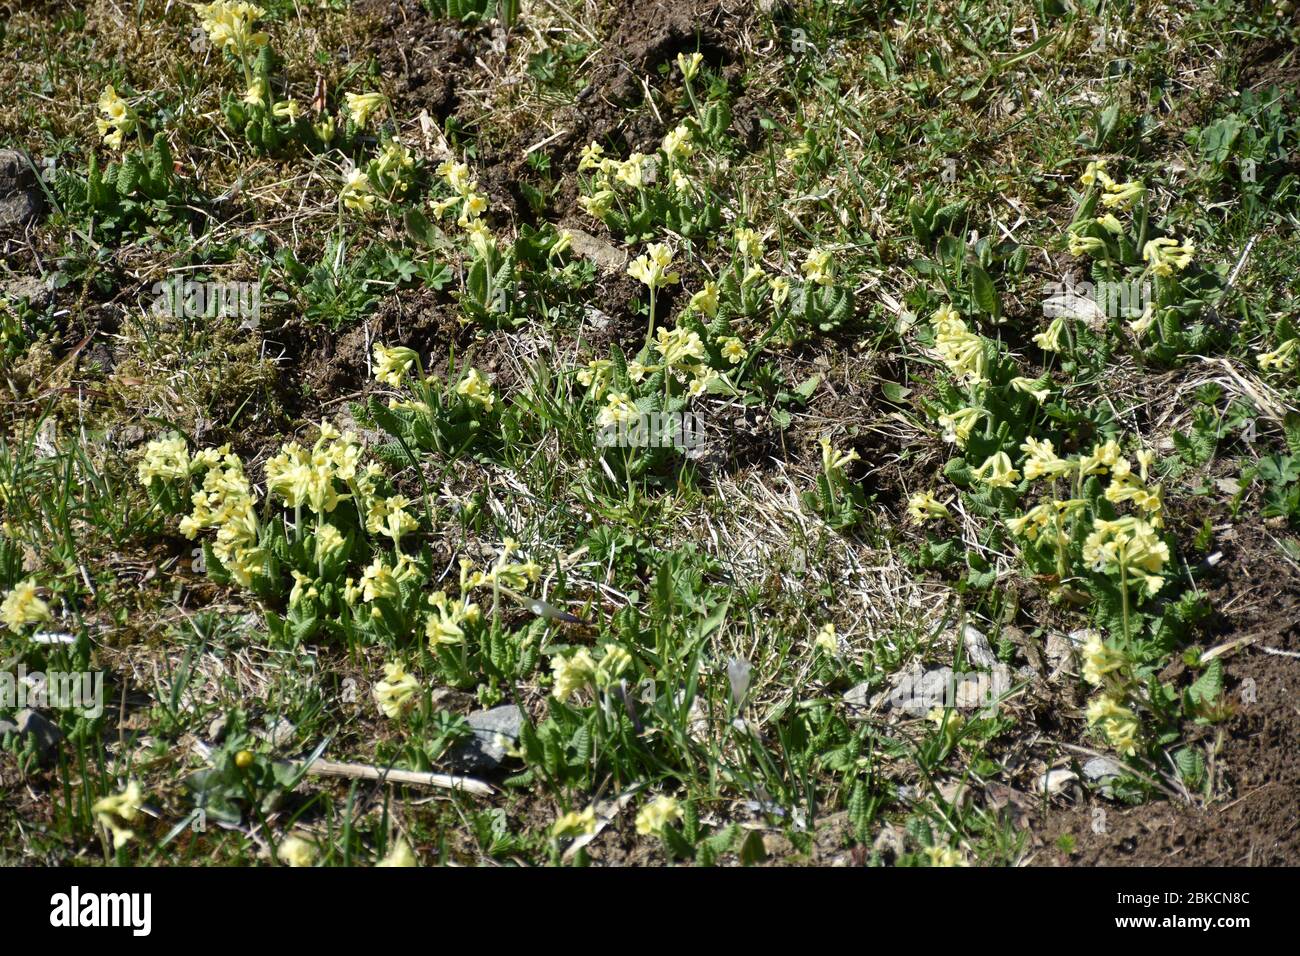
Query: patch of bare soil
x=1256 y=596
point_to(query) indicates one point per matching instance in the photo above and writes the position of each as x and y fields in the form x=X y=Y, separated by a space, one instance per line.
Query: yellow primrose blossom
x=165 y=458
x=1099 y=659
x=652 y=267
x=780 y=290
x=356 y=193
x=118 y=120
x=1078 y=245
x=329 y=542
x=575 y=823
x=1103 y=457
x=817 y=267
x=255 y=94
x=924 y=506
x=399 y=855
x=613 y=663
x=480 y=237
x=1031 y=386
x=706 y=300
x=118 y=811
x=1110 y=224
x=733 y=350
x=1038 y=520
x=389 y=517
x=598 y=204
x=1284 y=356
x=378 y=582
x=689 y=65
x=677 y=143
x=957 y=426
x=632 y=171
x=826 y=640
x=679 y=346
x=229 y=25
x=1127 y=546
x=1117 y=723
x=945 y=856
x=703 y=377
x=996 y=472
x=682 y=184
x=1166 y=255
x=1042 y=460
x=656 y=815
x=1049 y=340
x=834 y=462
x=1122 y=195
x=447 y=624
x=395 y=694
x=961 y=351
x=392 y=365
x=590 y=157
x=477 y=389
x=619 y=410
x=749 y=243
x=596 y=376
x=1096 y=173
x=294 y=851
x=22 y=607
x=362 y=106
x=571 y=674
x=1143 y=322
x=286 y=110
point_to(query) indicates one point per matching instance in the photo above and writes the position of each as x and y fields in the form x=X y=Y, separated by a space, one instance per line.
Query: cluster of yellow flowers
x=362 y=107
x=225 y=502
x=961 y=350
x=835 y=461
x=1104 y=667
x=396 y=693
x=924 y=506
x=580 y=670
x=652 y=267
x=118 y=812
x=117 y=121
x=1284 y=356
x=1114 y=195
x=656 y=815
x=229 y=25
x=1130 y=547
x=23 y=607
x=465 y=195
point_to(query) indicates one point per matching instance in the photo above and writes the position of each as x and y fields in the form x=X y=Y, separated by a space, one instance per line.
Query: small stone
x=1102 y=769
x=1054 y=781
x=217 y=729
x=492 y=731
x=20 y=198
x=978 y=651
x=281 y=733
x=42 y=730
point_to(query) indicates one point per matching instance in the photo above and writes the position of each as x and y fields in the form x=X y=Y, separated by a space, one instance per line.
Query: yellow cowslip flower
x=286 y=110
x=1096 y=173
x=563 y=243
x=924 y=506
x=118 y=811
x=1127 y=546
x=165 y=458
x=1117 y=723
x=1166 y=255
x=1100 y=659
x=682 y=184
x=677 y=143
x=817 y=267
x=689 y=65
x=591 y=157
x=706 y=300
x=1110 y=224
x=1078 y=245
x=362 y=106
x=1143 y=322
x=657 y=814
x=1284 y=356
x=796 y=151
x=389 y=517
x=294 y=851
x=945 y=856
x=23 y=607
x=613 y=663
x=395 y=694
x=618 y=410
x=378 y=582
x=1042 y=460
x=780 y=290
x=255 y=94
x=1049 y=340
x=356 y=193
x=597 y=205
x=229 y=25
x=304 y=587
x=571 y=674
x=575 y=823
x=1031 y=386
x=1103 y=457
x=596 y=376
x=1122 y=195
x=329 y=542
x=826 y=640
x=325 y=129
x=996 y=472
x=652 y=267
x=399 y=855
x=733 y=350
x=480 y=238
x=632 y=171
x=679 y=347
x=749 y=243
x=457 y=176
x=957 y=426
x=961 y=350
x=393 y=365
x=477 y=389
x=118 y=119
x=447 y=624
x=703 y=377
x=833 y=461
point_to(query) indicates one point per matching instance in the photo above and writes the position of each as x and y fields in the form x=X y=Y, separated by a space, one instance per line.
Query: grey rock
x=978 y=651
x=492 y=731
x=1102 y=769
x=7 y=727
x=217 y=729
x=42 y=730
x=20 y=197
x=281 y=733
